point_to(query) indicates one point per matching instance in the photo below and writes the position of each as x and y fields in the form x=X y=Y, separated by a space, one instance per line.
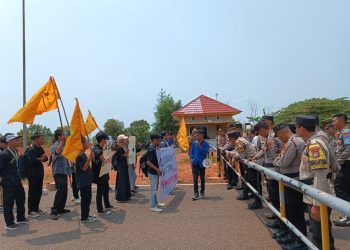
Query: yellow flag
x=44 y=100
x=181 y=136
x=77 y=128
x=90 y=123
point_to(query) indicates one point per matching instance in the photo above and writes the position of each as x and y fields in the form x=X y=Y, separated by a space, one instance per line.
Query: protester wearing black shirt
x=122 y=191
x=154 y=172
x=102 y=182
x=84 y=181
x=35 y=174
x=11 y=183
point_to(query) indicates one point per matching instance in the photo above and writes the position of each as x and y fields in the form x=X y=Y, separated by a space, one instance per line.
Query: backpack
x=143 y=165
x=23 y=163
x=115 y=162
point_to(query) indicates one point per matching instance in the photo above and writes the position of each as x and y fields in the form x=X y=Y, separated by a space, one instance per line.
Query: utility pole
x=24 y=70
x=216 y=96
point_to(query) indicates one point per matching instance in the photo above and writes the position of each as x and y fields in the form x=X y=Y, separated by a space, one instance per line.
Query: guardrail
x=326 y=200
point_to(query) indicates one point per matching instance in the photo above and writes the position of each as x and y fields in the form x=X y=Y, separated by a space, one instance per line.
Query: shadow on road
x=54 y=238
x=173 y=206
x=117 y=217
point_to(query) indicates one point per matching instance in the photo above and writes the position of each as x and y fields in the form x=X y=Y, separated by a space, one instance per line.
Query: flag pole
x=64 y=110
x=24 y=69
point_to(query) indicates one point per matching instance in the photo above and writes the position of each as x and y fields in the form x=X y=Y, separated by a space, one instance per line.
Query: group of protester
x=300 y=150
x=81 y=174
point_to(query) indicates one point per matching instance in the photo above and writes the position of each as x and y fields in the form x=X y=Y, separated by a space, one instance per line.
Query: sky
x=116 y=56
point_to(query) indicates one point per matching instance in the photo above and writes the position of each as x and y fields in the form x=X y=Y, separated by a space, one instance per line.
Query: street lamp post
x=24 y=69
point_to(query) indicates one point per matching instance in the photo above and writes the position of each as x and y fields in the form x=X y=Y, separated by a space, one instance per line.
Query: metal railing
x=326 y=200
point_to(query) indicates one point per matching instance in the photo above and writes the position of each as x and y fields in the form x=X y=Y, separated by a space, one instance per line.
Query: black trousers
x=197 y=171
x=61 y=193
x=272 y=189
x=295 y=209
x=75 y=188
x=35 y=191
x=231 y=176
x=14 y=194
x=342 y=182
x=317 y=232
x=85 y=193
x=102 y=193
x=254 y=179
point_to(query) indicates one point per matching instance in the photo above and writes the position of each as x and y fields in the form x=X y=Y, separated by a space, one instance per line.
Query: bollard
x=282 y=200
x=324 y=227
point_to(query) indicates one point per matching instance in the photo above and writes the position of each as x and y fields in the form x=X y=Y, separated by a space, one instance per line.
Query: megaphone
x=207 y=163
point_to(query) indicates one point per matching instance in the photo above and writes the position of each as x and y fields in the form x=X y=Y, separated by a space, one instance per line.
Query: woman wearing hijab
x=122 y=192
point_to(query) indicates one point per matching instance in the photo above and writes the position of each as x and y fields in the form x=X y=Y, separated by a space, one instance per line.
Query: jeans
x=75 y=189
x=34 y=193
x=102 y=191
x=61 y=193
x=12 y=194
x=154 y=181
x=197 y=171
x=317 y=232
x=85 y=193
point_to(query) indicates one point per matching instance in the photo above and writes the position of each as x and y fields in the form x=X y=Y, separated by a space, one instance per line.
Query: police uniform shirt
x=314 y=167
x=289 y=162
x=244 y=149
x=343 y=146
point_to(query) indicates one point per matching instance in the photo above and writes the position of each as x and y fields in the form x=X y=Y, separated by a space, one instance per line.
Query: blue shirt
x=199 y=153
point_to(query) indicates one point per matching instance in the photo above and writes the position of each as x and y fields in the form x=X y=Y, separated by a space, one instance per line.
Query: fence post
x=282 y=200
x=324 y=227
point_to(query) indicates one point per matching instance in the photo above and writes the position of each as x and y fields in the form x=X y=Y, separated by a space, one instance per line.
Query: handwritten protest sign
x=168 y=167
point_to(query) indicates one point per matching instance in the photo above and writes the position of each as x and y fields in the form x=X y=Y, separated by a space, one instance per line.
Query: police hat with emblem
x=234 y=134
x=279 y=127
x=267 y=117
x=305 y=120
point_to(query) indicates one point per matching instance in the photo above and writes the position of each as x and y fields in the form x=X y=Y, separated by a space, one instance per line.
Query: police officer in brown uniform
x=314 y=168
x=289 y=164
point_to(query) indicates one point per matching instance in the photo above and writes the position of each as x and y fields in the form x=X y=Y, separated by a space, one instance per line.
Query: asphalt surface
x=219 y=222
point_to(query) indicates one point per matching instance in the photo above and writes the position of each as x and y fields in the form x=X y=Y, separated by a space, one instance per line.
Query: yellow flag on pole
x=181 y=136
x=44 y=100
x=77 y=129
x=90 y=123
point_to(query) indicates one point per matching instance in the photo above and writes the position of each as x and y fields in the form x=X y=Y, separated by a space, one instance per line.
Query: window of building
x=206 y=118
x=218 y=118
x=193 y=118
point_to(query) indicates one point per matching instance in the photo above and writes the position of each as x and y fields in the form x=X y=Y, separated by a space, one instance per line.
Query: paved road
x=220 y=222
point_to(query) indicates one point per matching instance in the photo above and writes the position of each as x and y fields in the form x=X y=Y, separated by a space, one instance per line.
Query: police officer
x=342 y=181
x=314 y=168
x=3 y=146
x=11 y=183
x=231 y=176
x=246 y=150
x=289 y=164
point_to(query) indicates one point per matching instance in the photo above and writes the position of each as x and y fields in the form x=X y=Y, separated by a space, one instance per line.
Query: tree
x=36 y=128
x=165 y=106
x=140 y=129
x=323 y=107
x=114 y=127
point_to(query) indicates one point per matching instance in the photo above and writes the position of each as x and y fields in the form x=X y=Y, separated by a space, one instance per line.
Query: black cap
x=237 y=125
x=317 y=118
x=200 y=132
x=234 y=134
x=279 y=127
x=307 y=120
x=267 y=117
x=101 y=135
x=3 y=139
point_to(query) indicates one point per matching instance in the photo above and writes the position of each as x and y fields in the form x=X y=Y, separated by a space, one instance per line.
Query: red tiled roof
x=204 y=105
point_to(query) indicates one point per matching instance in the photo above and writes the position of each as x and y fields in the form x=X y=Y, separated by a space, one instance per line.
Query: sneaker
x=195 y=197
x=156 y=209
x=54 y=216
x=77 y=201
x=342 y=222
x=34 y=214
x=160 y=205
x=93 y=216
x=89 y=220
x=12 y=227
x=41 y=211
x=136 y=187
x=202 y=196
x=64 y=211
x=105 y=212
x=24 y=222
x=111 y=207
x=134 y=191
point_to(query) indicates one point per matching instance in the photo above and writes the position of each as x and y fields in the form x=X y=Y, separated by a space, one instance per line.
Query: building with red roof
x=206 y=114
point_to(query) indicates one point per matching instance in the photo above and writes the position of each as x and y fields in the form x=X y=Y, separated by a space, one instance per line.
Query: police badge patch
x=315 y=152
